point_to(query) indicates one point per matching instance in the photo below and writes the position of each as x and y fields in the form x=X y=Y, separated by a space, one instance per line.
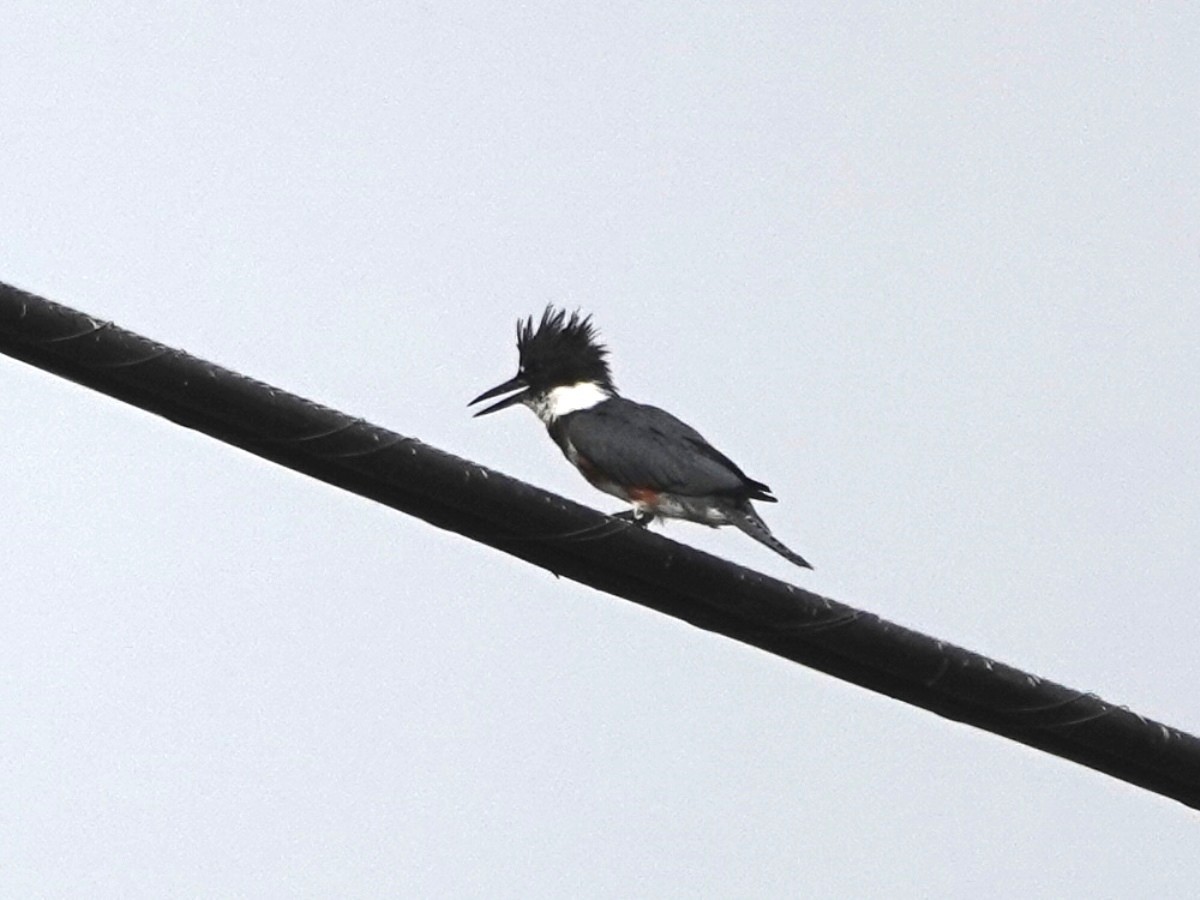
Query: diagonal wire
x=591 y=548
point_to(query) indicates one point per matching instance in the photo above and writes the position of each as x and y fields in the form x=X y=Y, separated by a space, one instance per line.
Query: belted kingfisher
x=639 y=453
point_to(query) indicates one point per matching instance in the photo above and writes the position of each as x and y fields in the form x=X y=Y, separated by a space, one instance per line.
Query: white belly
x=671 y=506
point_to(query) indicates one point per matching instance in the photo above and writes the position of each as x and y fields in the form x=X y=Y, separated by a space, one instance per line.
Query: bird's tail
x=745 y=518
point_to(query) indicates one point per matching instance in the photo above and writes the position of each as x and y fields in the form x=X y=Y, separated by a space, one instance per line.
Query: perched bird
x=639 y=453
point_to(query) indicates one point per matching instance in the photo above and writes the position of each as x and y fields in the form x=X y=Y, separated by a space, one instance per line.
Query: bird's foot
x=638 y=517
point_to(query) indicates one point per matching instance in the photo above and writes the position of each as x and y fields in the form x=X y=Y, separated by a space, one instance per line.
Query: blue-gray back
x=641 y=445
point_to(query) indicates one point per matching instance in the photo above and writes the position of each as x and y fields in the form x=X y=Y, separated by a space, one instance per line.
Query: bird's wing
x=644 y=446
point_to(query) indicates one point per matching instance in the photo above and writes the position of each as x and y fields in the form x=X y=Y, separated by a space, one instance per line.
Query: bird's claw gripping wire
x=640 y=518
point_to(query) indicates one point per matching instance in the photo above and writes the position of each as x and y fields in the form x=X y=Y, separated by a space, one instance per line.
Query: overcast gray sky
x=929 y=271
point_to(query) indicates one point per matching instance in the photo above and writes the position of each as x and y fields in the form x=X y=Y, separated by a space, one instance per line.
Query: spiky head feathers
x=561 y=350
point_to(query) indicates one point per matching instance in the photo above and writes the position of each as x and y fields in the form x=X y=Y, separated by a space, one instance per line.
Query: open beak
x=517 y=384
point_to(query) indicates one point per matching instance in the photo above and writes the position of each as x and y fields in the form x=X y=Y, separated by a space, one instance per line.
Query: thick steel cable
x=594 y=549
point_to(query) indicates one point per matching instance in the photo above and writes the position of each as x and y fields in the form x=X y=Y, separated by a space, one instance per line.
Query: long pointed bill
x=513 y=384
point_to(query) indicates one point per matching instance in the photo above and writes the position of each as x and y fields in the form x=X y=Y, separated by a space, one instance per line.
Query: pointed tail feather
x=748 y=521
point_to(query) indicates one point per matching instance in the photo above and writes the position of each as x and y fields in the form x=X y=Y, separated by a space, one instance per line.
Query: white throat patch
x=567 y=398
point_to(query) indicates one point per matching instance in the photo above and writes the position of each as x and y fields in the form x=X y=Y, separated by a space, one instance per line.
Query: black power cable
x=597 y=550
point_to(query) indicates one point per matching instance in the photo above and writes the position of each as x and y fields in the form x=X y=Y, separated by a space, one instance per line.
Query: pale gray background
x=928 y=271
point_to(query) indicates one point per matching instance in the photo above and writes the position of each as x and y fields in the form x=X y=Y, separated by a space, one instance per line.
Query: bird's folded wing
x=643 y=446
